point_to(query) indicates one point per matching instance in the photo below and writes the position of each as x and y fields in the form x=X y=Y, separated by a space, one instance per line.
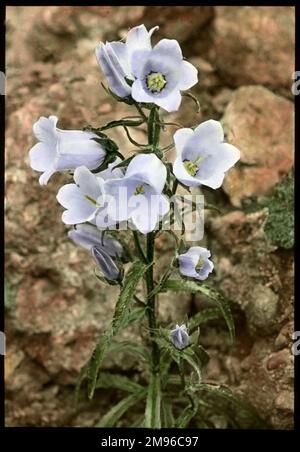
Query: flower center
x=139 y=189
x=192 y=167
x=156 y=81
x=92 y=200
x=200 y=264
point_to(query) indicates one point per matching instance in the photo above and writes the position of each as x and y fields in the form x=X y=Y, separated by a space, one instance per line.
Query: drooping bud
x=107 y=264
x=180 y=337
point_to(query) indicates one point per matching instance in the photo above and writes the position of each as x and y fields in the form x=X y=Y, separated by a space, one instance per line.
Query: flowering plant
x=110 y=192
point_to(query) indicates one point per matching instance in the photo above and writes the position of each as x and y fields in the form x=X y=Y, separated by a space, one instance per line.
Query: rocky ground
x=55 y=308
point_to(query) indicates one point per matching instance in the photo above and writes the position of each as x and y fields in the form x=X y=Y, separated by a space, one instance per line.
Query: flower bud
x=180 y=337
x=107 y=264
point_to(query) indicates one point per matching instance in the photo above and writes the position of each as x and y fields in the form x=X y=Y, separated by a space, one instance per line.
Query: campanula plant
x=108 y=191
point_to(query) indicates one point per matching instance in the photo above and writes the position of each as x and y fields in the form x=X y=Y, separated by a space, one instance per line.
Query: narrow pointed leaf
x=122 y=308
x=135 y=349
x=116 y=412
x=203 y=317
x=152 y=415
x=222 y=303
x=107 y=380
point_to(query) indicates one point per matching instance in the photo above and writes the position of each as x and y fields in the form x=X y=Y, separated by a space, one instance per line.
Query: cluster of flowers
x=97 y=201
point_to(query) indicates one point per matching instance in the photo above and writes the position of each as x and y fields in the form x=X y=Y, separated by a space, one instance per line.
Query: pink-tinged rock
x=179 y=22
x=255 y=45
x=261 y=125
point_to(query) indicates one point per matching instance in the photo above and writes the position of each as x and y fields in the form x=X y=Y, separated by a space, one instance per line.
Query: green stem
x=140 y=110
x=182 y=377
x=175 y=185
x=138 y=247
x=151 y=304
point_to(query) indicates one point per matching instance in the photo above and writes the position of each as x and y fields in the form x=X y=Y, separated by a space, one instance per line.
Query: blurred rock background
x=55 y=308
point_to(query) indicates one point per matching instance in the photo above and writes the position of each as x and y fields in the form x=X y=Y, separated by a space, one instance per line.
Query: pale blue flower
x=115 y=57
x=82 y=199
x=202 y=156
x=60 y=150
x=105 y=250
x=195 y=263
x=161 y=74
x=180 y=336
x=138 y=195
x=111 y=172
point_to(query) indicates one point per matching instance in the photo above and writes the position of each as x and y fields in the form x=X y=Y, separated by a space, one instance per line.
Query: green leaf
x=189 y=356
x=203 y=317
x=122 y=308
x=187 y=415
x=127 y=100
x=124 y=162
x=136 y=349
x=191 y=286
x=152 y=414
x=134 y=315
x=201 y=354
x=108 y=144
x=239 y=402
x=116 y=412
x=122 y=123
x=167 y=412
x=107 y=380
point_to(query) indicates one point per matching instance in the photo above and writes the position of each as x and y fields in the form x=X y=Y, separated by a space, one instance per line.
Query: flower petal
x=43 y=179
x=107 y=265
x=214 y=181
x=181 y=137
x=187 y=266
x=148 y=168
x=189 y=76
x=145 y=216
x=80 y=210
x=45 y=130
x=88 y=183
x=75 y=153
x=182 y=175
x=197 y=252
x=85 y=235
x=110 y=172
x=228 y=155
x=117 y=195
x=139 y=94
x=168 y=48
x=210 y=131
x=41 y=156
x=138 y=61
x=171 y=102
x=112 y=69
x=138 y=38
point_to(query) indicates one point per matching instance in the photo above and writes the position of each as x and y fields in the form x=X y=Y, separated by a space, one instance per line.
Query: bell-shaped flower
x=180 y=336
x=161 y=74
x=138 y=195
x=61 y=150
x=195 y=263
x=202 y=156
x=105 y=250
x=82 y=199
x=114 y=58
x=111 y=172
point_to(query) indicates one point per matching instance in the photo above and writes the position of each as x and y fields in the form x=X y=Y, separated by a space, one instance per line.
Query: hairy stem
x=138 y=247
x=151 y=303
